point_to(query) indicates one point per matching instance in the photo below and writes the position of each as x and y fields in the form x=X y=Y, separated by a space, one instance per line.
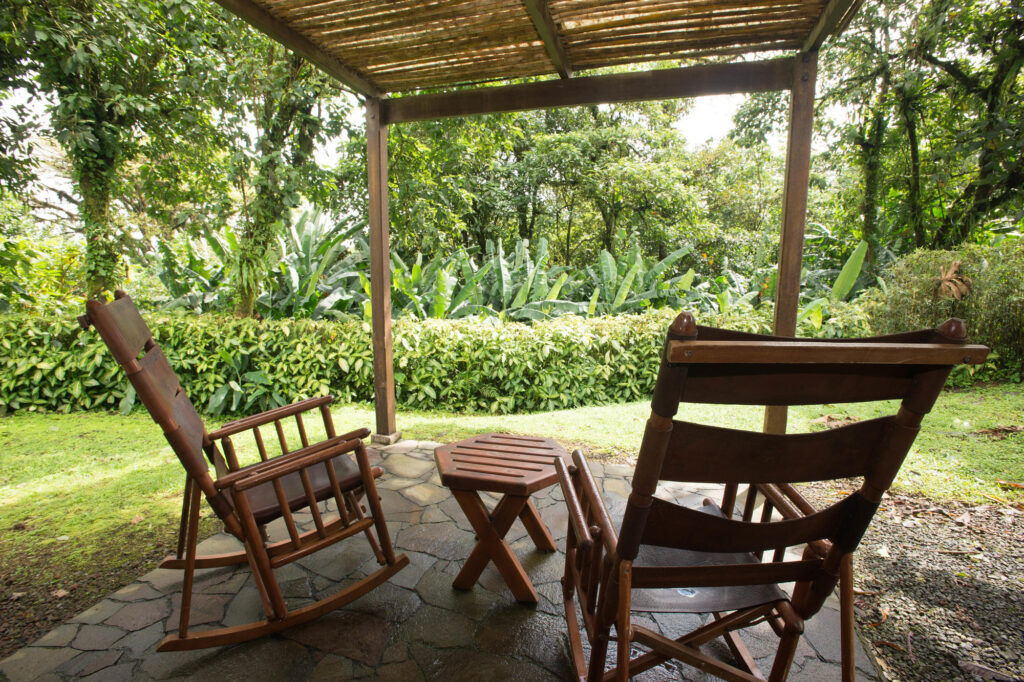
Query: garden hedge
x=992 y=305
x=49 y=363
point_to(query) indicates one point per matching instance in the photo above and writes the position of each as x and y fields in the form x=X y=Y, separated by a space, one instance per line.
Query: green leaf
x=849 y=274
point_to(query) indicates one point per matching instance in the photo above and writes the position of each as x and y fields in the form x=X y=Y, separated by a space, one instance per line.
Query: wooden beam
x=266 y=22
x=794 y=210
x=548 y=33
x=692 y=81
x=380 y=272
x=824 y=353
x=836 y=13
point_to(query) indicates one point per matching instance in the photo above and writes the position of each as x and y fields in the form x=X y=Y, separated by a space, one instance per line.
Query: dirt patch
x=38 y=592
x=940 y=588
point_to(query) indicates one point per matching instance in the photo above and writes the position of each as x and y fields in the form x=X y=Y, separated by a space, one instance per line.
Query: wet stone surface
x=414 y=627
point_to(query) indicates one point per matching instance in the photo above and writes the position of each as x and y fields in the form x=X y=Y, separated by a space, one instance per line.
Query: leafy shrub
x=231 y=365
x=922 y=292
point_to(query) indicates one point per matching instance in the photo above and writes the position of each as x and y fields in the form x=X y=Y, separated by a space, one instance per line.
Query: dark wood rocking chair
x=247 y=498
x=667 y=557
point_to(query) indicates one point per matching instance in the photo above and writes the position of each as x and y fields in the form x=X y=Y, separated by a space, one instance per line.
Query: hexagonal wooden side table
x=517 y=467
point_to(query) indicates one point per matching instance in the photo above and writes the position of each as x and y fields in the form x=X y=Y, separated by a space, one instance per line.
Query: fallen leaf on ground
x=15 y=596
x=1010 y=484
x=833 y=422
x=887 y=643
x=59 y=594
x=138 y=518
x=885 y=617
x=1000 y=432
x=963 y=520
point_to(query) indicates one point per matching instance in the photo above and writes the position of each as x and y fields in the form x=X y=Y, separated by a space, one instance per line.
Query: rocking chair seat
x=263 y=498
x=699 y=599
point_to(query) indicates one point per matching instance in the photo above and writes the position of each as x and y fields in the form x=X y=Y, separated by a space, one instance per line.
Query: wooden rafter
x=548 y=33
x=837 y=14
x=693 y=81
x=266 y=22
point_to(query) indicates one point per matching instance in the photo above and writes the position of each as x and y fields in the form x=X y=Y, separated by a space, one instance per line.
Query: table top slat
x=500 y=463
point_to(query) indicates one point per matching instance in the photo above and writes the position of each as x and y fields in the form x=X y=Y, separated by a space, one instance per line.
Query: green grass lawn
x=102 y=492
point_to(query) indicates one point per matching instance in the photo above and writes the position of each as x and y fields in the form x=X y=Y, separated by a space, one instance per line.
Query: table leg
x=491 y=530
x=539 y=533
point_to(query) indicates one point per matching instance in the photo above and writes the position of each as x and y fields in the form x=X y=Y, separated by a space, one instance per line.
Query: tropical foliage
x=235 y=365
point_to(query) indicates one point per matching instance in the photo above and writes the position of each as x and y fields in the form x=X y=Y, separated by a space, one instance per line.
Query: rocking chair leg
x=262 y=572
x=373 y=500
x=623 y=626
x=183 y=524
x=847 y=635
x=374 y=545
x=598 y=656
x=190 y=557
x=788 y=642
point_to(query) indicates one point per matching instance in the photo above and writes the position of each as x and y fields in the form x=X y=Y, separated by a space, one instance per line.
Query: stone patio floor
x=415 y=627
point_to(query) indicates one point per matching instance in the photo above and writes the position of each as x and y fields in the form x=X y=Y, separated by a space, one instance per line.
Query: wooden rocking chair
x=247 y=498
x=667 y=557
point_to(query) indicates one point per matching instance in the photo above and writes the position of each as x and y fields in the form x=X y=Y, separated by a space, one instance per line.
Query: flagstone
x=359 y=636
x=406 y=671
x=403 y=466
x=92 y=661
x=137 y=643
x=59 y=636
x=122 y=672
x=245 y=607
x=138 y=615
x=96 y=637
x=32 y=662
x=136 y=592
x=330 y=668
x=98 y=613
x=439 y=628
x=426 y=493
x=205 y=608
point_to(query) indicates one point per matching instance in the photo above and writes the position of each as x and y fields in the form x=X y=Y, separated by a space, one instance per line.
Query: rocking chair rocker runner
x=247 y=498
x=667 y=557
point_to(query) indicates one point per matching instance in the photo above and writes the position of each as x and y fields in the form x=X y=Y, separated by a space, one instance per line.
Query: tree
x=275 y=110
x=113 y=69
x=977 y=50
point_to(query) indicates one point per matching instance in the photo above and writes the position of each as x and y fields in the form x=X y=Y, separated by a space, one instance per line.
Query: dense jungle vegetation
x=208 y=169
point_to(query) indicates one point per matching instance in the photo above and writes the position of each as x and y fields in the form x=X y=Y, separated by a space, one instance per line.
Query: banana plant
x=318 y=270
x=841 y=288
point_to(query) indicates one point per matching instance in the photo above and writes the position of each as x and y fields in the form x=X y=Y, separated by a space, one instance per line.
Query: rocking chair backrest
x=707 y=365
x=131 y=343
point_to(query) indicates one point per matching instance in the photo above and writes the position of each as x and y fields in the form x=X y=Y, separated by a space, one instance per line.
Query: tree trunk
x=103 y=264
x=914 y=189
x=871 y=153
x=271 y=207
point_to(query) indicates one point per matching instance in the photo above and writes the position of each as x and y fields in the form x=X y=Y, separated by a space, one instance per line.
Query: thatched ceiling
x=389 y=46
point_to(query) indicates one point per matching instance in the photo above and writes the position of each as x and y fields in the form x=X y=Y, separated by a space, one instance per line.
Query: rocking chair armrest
x=246 y=423
x=595 y=503
x=577 y=522
x=265 y=474
x=346 y=442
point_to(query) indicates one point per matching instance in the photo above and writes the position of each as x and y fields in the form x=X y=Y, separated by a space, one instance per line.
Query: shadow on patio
x=416 y=627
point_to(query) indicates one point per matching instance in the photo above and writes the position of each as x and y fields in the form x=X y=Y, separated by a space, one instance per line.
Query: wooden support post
x=794 y=211
x=380 y=273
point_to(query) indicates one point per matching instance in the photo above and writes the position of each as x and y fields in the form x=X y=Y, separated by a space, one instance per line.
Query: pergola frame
x=796 y=74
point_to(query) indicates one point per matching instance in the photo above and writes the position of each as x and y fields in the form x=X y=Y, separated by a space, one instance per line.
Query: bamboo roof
x=378 y=47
